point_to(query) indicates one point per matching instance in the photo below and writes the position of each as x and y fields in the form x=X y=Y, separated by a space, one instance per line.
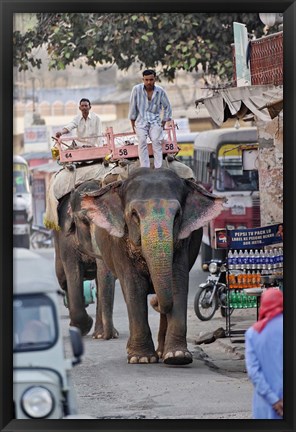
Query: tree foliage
x=171 y=41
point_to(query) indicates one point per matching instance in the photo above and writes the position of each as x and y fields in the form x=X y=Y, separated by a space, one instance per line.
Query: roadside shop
x=254 y=264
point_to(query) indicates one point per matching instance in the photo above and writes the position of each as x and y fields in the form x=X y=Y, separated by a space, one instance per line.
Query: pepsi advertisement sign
x=255 y=238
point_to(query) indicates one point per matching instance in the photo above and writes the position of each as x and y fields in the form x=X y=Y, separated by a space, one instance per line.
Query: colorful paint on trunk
x=157 y=221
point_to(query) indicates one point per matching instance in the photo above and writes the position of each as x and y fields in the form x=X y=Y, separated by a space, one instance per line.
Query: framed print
x=129 y=375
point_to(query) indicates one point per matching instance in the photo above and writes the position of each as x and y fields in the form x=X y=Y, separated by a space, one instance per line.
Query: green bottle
x=239 y=301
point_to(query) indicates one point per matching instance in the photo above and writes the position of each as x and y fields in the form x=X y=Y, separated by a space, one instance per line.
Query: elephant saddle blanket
x=65 y=180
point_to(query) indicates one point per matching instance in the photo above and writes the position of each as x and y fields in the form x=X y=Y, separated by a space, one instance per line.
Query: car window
x=34 y=322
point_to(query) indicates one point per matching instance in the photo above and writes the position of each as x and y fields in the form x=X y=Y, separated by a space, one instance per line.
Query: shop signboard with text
x=36 y=138
x=254 y=238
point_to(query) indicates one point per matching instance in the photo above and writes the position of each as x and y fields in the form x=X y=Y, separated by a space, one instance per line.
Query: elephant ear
x=200 y=207
x=105 y=209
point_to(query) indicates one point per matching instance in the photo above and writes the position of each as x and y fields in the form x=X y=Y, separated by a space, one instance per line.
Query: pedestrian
x=88 y=125
x=146 y=104
x=264 y=357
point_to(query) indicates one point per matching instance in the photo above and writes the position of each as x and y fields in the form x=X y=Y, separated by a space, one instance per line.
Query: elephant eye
x=135 y=217
x=177 y=216
x=84 y=219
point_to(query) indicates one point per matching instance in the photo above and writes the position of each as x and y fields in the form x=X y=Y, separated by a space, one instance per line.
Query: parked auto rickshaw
x=42 y=384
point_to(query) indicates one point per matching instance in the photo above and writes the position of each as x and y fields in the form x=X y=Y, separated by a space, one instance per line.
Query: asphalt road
x=214 y=386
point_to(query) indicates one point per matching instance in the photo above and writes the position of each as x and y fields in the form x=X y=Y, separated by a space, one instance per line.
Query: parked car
x=42 y=385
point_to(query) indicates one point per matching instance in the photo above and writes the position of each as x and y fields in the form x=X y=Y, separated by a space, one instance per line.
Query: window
x=34 y=322
x=20 y=179
x=230 y=175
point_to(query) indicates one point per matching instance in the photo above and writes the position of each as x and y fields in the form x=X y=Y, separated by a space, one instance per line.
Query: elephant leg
x=60 y=272
x=194 y=246
x=176 y=351
x=172 y=345
x=140 y=346
x=162 y=326
x=104 y=328
x=78 y=315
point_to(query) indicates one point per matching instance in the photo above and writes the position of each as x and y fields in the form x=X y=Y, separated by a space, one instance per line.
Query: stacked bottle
x=238 y=300
x=230 y=260
x=265 y=260
x=248 y=279
x=253 y=264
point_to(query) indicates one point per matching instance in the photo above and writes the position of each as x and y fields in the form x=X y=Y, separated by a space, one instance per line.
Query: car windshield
x=235 y=179
x=34 y=323
x=230 y=175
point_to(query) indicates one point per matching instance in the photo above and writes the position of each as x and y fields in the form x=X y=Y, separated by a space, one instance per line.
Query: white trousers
x=155 y=133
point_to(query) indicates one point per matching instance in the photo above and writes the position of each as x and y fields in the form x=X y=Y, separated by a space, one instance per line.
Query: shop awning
x=264 y=101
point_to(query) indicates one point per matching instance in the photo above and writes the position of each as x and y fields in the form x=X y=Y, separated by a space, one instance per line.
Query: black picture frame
x=7 y=9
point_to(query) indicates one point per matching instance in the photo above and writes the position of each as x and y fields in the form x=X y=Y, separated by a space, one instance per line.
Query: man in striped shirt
x=146 y=104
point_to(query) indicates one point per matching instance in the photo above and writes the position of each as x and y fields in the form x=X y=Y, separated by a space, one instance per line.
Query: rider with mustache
x=147 y=102
x=88 y=125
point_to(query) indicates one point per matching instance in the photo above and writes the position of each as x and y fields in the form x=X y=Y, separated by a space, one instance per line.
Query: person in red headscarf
x=264 y=357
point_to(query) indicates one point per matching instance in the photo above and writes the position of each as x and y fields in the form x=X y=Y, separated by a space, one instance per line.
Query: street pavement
x=214 y=386
x=226 y=354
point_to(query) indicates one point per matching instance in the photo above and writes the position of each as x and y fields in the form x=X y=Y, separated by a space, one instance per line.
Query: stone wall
x=270 y=166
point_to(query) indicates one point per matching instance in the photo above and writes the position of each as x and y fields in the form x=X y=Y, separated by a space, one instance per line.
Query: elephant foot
x=85 y=326
x=141 y=352
x=160 y=350
x=177 y=358
x=145 y=359
x=100 y=333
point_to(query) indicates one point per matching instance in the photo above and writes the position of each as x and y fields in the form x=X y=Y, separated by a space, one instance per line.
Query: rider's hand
x=133 y=125
x=58 y=134
x=279 y=407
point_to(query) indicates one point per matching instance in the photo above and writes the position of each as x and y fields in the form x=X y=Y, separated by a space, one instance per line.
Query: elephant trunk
x=158 y=256
x=157 y=249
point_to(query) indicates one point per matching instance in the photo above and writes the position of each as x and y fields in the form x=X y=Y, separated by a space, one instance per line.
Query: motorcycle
x=41 y=237
x=212 y=294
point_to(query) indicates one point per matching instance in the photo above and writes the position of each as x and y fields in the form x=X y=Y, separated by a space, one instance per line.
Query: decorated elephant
x=75 y=262
x=148 y=229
